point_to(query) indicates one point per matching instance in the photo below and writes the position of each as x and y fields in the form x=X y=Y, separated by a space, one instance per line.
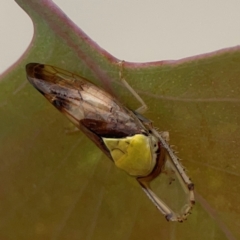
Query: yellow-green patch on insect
x=125 y=136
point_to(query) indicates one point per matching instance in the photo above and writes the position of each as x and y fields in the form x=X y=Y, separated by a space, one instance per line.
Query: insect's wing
x=73 y=95
x=90 y=108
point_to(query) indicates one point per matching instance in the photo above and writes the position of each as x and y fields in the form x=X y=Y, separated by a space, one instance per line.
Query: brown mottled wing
x=86 y=105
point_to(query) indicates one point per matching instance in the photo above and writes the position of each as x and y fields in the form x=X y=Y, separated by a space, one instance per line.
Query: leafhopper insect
x=125 y=136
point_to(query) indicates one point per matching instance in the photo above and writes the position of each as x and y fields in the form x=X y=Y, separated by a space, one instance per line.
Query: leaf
x=55 y=185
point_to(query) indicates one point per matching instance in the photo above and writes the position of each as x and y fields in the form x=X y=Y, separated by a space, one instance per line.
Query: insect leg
x=188 y=185
x=162 y=207
x=184 y=180
x=143 y=107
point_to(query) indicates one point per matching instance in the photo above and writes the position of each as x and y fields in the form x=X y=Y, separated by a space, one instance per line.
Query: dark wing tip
x=32 y=67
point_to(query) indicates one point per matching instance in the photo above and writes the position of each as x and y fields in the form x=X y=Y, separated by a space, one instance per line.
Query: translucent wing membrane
x=125 y=136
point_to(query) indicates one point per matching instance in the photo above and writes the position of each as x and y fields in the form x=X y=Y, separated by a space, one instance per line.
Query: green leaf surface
x=55 y=185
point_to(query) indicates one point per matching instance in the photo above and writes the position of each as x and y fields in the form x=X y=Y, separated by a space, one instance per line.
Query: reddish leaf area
x=55 y=185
